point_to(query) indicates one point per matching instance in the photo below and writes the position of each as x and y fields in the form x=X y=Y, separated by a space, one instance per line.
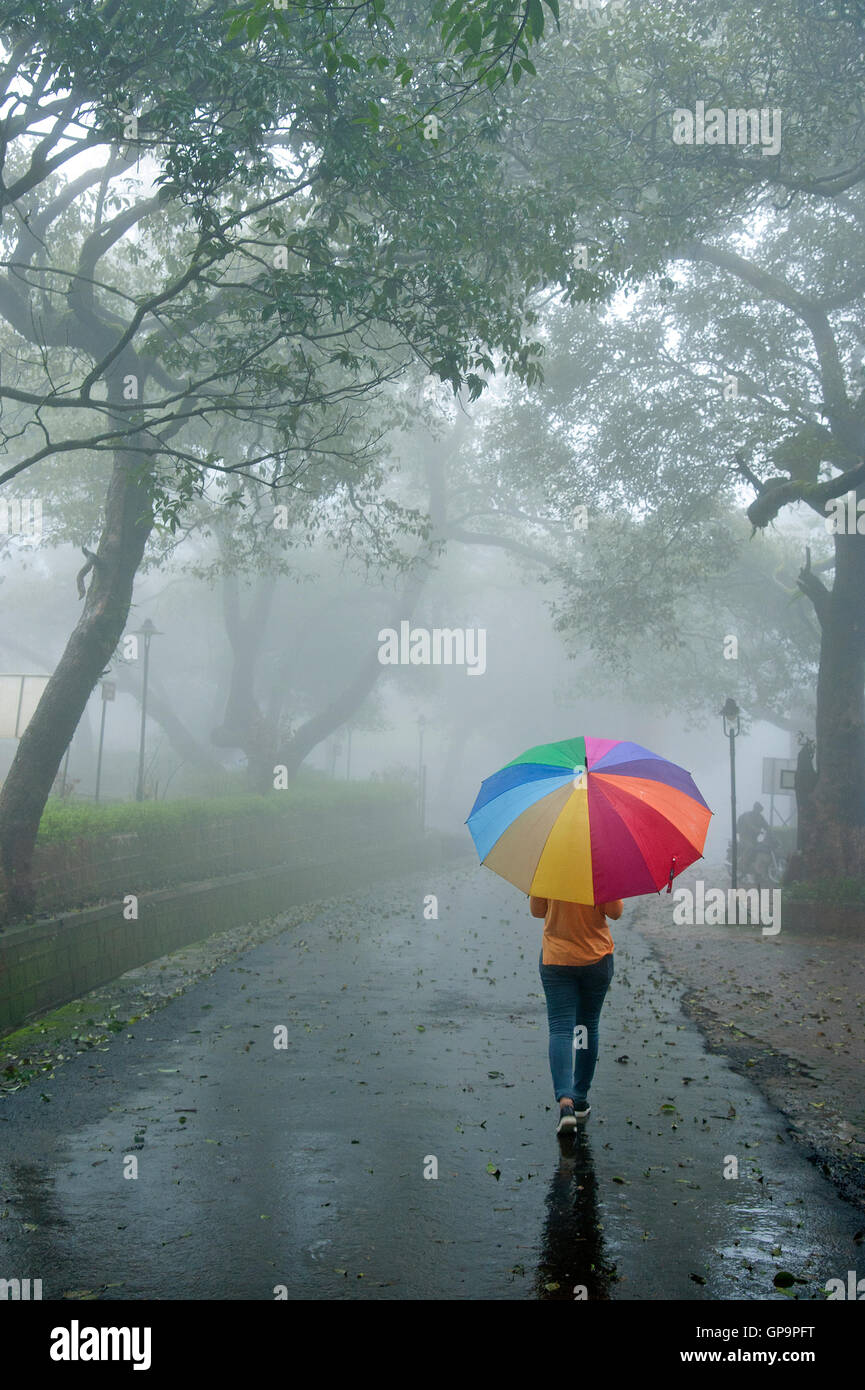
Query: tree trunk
x=244 y=725
x=833 y=836
x=806 y=781
x=315 y=730
x=128 y=522
x=182 y=741
x=334 y=715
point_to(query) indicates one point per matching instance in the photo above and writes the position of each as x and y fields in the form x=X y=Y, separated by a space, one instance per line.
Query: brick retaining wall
x=49 y=963
x=96 y=868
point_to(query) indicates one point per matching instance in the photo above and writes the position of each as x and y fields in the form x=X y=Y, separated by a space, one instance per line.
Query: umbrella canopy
x=589 y=820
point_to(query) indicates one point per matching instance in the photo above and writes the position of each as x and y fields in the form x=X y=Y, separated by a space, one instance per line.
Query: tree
x=606 y=114
x=369 y=529
x=274 y=239
x=617 y=480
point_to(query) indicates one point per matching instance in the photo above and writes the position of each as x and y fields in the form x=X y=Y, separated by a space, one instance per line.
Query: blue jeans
x=575 y=996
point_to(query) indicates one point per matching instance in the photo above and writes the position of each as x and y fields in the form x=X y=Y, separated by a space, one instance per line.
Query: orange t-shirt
x=575 y=933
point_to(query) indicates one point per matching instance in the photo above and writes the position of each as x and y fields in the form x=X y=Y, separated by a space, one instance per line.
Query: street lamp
x=730 y=714
x=147 y=630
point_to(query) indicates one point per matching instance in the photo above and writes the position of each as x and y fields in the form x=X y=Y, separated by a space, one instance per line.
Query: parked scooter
x=761 y=865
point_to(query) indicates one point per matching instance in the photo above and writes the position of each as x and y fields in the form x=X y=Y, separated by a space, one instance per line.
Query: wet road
x=411 y=1045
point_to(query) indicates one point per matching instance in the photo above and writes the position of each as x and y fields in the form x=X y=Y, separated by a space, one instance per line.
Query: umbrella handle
x=672 y=872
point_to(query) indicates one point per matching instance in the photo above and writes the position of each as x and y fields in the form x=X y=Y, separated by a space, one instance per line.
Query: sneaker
x=582 y=1110
x=567 y=1119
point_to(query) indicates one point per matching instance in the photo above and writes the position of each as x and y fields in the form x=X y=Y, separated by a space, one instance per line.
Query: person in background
x=749 y=827
x=576 y=967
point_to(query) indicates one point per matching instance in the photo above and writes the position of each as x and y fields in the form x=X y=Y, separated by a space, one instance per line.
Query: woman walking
x=576 y=966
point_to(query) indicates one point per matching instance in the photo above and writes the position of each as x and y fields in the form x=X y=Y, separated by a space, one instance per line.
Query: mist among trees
x=315 y=321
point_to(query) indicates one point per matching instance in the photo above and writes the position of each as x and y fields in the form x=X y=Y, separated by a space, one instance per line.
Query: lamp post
x=109 y=690
x=732 y=727
x=147 y=630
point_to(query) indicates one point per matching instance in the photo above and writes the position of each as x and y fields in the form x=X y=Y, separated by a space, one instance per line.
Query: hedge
x=71 y=820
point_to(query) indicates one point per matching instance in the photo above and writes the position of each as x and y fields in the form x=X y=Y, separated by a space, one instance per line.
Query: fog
x=389 y=392
x=324 y=617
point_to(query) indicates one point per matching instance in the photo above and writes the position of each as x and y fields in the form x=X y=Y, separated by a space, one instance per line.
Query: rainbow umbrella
x=589 y=820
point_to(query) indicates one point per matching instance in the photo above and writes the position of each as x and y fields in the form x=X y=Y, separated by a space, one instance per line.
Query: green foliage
x=839 y=892
x=398 y=249
x=480 y=37
x=70 y=820
x=631 y=424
